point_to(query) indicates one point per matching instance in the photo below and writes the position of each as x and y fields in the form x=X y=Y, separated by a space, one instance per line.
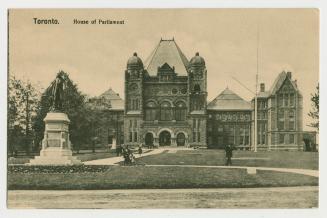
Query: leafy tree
x=23 y=98
x=314 y=113
x=98 y=119
x=73 y=106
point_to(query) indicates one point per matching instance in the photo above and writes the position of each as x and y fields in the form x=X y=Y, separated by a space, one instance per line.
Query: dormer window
x=166 y=73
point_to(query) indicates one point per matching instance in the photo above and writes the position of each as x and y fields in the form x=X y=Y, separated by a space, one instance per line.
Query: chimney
x=295 y=82
x=289 y=74
x=262 y=87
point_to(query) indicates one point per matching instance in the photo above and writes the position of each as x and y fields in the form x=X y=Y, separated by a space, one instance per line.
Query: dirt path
x=286 y=197
x=115 y=160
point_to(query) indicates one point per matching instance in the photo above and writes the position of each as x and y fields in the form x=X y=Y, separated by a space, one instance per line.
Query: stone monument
x=56 y=146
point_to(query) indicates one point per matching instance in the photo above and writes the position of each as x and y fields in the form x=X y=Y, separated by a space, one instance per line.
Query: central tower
x=165 y=98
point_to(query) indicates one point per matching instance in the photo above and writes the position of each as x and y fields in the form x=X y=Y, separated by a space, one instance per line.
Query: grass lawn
x=283 y=159
x=95 y=156
x=134 y=177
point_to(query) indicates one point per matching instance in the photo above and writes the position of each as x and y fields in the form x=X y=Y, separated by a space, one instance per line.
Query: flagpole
x=256 y=96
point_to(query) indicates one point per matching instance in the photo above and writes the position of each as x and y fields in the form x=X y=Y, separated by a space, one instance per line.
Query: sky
x=233 y=42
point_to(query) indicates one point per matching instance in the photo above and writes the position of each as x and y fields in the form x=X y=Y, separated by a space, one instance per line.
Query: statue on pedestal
x=56 y=147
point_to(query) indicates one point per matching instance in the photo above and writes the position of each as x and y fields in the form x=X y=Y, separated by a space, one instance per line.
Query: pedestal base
x=56 y=147
x=55 y=156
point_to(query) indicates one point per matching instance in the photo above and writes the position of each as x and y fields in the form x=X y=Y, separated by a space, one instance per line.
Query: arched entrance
x=164 y=138
x=149 y=139
x=180 y=139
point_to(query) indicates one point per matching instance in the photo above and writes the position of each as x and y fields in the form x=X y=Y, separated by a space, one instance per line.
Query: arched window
x=151 y=111
x=165 y=111
x=180 y=111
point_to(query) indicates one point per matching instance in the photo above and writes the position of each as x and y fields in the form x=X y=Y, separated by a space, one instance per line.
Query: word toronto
x=45 y=21
x=98 y=21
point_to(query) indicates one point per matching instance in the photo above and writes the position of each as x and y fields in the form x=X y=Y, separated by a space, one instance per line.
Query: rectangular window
x=291 y=125
x=280 y=119
x=246 y=140
x=281 y=125
x=147 y=115
x=291 y=120
x=291 y=99
x=291 y=138
x=135 y=136
x=226 y=128
x=194 y=137
x=133 y=104
x=130 y=137
x=280 y=100
x=199 y=137
x=286 y=100
x=209 y=127
x=281 y=138
x=231 y=140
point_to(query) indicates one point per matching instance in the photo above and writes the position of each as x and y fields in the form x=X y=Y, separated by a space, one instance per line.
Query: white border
x=321 y=4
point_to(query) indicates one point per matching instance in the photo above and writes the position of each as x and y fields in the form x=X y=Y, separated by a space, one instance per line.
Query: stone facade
x=229 y=121
x=280 y=112
x=166 y=105
x=279 y=118
x=165 y=100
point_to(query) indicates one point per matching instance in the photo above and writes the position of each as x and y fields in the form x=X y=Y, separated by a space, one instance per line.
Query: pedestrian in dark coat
x=229 y=154
x=140 y=150
x=126 y=155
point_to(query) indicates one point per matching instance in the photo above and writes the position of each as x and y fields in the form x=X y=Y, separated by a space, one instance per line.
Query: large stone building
x=229 y=121
x=166 y=105
x=279 y=118
x=165 y=98
x=280 y=114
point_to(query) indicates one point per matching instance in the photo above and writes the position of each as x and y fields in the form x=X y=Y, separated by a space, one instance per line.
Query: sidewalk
x=115 y=160
x=314 y=173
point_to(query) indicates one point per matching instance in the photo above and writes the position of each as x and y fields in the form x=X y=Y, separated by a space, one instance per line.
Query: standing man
x=140 y=150
x=229 y=154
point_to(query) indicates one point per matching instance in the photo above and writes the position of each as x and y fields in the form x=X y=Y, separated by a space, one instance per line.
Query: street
x=279 y=197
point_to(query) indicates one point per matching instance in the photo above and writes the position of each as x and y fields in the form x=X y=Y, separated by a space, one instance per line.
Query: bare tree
x=314 y=113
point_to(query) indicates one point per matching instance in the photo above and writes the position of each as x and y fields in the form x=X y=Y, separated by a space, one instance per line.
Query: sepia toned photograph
x=163 y=108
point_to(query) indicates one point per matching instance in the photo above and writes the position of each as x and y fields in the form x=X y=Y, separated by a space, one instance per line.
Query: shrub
x=58 y=169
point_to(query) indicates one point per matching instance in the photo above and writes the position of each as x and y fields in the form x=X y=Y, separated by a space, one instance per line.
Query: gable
x=286 y=87
x=279 y=82
x=167 y=52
